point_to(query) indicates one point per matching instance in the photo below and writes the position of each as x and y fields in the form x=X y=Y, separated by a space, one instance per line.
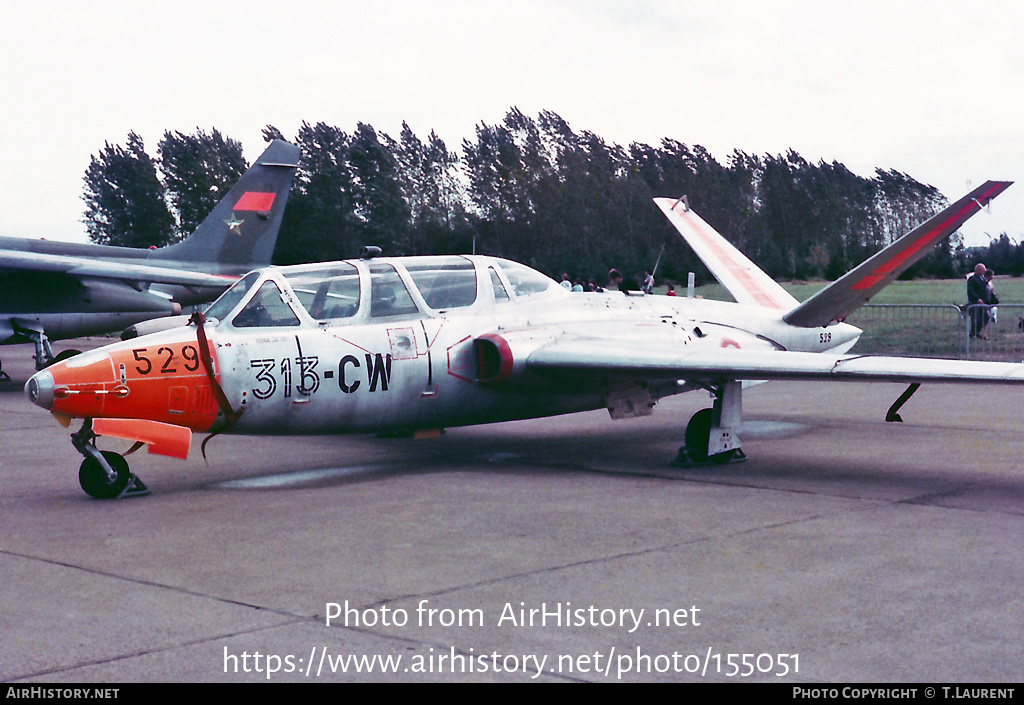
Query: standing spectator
x=991 y=299
x=977 y=293
x=648 y=287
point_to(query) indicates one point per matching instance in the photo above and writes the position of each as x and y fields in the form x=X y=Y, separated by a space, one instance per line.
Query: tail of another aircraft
x=749 y=285
x=242 y=229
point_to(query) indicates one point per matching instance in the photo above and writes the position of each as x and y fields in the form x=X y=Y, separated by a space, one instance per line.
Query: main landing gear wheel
x=698 y=435
x=94 y=480
x=63 y=355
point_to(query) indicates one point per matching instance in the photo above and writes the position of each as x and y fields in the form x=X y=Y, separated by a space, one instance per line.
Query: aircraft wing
x=622 y=359
x=101 y=269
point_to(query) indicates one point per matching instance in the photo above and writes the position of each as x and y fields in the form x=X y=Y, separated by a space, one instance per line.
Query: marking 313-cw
x=378 y=374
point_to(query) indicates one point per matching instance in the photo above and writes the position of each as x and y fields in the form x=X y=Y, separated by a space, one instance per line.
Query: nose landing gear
x=104 y=474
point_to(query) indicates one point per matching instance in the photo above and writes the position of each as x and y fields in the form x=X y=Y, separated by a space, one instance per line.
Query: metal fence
x=950 y=331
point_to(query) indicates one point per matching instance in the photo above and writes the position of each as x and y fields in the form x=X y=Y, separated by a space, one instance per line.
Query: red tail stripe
x=900 y=257
x=255 y=201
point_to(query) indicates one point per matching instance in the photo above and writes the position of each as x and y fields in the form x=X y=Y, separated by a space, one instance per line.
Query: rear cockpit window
x=266 y=309
x=526 y=281
x=500 y=295
x=388 y=295
x=328 y=294
x=444 y=282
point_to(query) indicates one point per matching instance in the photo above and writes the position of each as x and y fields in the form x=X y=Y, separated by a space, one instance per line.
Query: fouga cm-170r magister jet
x=422 y=343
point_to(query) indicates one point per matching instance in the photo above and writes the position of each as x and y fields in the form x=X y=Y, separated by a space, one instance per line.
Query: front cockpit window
x=444 y=282
x=267 y=309
x=220 y=308
x=327 y=294
x=388 y=295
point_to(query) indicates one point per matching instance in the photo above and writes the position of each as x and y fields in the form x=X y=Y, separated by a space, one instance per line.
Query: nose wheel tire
x=94 y=480
x=93 y=477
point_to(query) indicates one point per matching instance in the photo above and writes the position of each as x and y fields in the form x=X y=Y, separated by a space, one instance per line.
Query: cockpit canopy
x=364 y=291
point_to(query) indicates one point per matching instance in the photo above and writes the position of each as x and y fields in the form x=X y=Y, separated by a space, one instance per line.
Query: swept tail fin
x=742 y=278
x=242 y=228
x=848 y=293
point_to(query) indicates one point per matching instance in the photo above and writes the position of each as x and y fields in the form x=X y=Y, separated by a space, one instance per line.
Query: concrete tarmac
x=845 y=549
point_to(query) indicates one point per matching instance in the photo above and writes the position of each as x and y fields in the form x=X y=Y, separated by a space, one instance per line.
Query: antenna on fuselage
x=369 y=252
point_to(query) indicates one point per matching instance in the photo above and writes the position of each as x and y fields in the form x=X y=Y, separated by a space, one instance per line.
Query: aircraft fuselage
x=283 y=371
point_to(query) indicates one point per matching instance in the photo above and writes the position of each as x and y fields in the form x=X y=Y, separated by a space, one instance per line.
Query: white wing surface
x=617 y=359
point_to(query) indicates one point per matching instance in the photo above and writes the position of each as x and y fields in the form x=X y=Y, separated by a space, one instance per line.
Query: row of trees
x=531 y=189
x=1003 y=255
x=128 y=203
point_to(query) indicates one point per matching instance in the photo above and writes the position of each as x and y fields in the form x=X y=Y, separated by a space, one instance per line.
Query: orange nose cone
x=163 y=381
x=78 y=386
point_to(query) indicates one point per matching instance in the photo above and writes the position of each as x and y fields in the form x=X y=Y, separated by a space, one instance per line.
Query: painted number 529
x=165 y=357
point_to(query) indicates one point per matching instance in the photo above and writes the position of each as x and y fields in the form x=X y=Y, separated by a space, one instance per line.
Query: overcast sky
x=933 y=89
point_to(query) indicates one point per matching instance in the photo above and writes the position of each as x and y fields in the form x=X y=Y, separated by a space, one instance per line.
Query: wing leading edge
x=593 y=357
x=102 y=269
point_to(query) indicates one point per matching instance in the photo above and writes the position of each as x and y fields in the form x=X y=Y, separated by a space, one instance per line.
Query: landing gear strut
x=44 y=356
x=711 y=435
x=104 y=474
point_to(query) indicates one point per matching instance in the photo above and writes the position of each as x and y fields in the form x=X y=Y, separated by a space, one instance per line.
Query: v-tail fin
x=242 y=228
x=742 y=278
x=848 y=293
